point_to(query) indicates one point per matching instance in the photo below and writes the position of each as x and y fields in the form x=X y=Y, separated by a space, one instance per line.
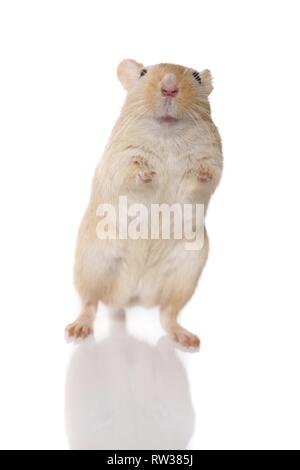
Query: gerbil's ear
x=129 y=72
x=206 y=81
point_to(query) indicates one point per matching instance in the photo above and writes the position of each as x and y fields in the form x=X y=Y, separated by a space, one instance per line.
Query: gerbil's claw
x=78 y=329
x=204 y=174
x=186 y=339
x=146 y=176
x=143 y=171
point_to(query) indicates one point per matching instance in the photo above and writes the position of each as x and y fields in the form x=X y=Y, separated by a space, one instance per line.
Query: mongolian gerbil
x=164 y=148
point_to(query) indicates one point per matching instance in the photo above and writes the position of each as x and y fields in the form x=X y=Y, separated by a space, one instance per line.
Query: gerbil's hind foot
x=79 y=329
x=184 y=338
x=83 y=325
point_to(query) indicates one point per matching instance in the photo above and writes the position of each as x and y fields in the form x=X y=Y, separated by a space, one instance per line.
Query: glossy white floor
x=130 y=388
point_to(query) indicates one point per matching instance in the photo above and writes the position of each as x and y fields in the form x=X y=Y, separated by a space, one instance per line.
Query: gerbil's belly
x=158 y=269
x=144 y=271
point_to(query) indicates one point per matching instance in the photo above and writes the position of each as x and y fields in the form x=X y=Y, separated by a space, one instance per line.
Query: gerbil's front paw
x=144 y=173
x=146 y=176
x=204 y=173
x=79 y=329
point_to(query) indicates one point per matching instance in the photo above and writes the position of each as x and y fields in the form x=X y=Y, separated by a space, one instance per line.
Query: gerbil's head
x=165 y=92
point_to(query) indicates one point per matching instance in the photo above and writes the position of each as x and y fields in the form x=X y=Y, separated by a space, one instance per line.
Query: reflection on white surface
x=123 y=393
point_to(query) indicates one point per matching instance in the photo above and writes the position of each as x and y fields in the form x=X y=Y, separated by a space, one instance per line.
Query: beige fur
x=157 y=153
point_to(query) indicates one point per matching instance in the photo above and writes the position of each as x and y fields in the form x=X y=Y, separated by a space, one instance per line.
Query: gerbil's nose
x=169 y=91
x=168 y=86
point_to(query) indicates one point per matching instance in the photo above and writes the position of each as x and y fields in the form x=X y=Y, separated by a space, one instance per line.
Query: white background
x=59 y=98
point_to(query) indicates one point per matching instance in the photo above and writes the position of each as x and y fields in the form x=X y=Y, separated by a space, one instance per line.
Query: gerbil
x=164 y=148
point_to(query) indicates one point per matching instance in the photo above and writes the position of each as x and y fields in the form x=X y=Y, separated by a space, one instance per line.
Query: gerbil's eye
x=197 y=77
x=143 y=72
